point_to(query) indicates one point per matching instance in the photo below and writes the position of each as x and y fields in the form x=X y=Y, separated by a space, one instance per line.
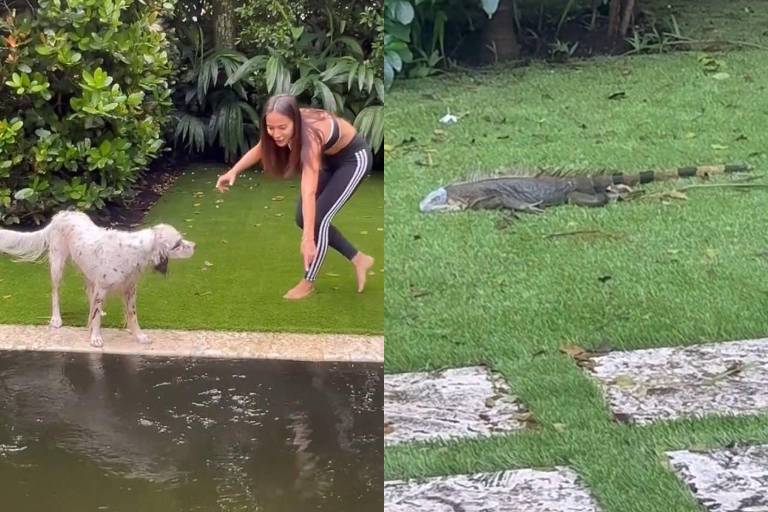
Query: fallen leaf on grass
x=576 y=352
x=418 y=292
x=528 y=421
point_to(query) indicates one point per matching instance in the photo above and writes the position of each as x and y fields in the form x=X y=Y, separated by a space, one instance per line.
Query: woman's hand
x=308 y=251
x=225 y=181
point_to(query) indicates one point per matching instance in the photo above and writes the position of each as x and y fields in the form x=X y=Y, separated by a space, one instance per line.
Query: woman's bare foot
x=362 y=263
x=301 y=290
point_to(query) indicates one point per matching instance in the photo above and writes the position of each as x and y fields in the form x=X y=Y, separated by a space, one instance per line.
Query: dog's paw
x=55 y=322
x=97 y=341
x=143 y=339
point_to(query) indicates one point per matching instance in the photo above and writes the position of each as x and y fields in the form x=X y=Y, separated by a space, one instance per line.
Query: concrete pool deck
x=220 y=344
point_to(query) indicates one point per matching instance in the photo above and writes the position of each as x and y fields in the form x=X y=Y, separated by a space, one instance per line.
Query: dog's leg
x=57 y=258
x=131 y=319
x=97 y=305
x=89 y=294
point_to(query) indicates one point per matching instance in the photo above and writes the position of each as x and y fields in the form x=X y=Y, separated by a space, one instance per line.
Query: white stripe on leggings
x=322 y=239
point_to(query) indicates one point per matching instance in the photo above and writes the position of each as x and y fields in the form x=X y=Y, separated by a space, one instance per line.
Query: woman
x=332 y=159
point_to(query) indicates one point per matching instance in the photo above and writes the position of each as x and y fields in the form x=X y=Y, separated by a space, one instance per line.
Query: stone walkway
x=731 y=480
x=523 y=490
x=449 y=404
x=641 y=387
x=298 y=347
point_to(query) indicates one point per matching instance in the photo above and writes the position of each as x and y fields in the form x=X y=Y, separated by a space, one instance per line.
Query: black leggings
x=339 y=178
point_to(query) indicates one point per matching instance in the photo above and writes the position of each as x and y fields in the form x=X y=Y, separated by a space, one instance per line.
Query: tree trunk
x=620 y=15
x=614 y=17
x=629 y=14
x=224 y=23
x=499 y=34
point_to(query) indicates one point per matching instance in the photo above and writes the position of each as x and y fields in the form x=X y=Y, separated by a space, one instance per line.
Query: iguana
x=533 y=193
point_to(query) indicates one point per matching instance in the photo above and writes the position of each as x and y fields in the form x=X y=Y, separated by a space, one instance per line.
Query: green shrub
x=85 y=93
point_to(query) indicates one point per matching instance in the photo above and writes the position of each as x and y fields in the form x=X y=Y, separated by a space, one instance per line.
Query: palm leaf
x=370 y=123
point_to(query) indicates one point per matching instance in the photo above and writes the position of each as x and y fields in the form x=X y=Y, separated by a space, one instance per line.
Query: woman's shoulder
x=314 y=113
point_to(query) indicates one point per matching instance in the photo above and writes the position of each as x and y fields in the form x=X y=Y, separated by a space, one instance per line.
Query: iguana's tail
x=701 y=171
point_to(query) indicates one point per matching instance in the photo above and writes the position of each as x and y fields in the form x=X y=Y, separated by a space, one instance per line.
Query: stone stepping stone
x=643 y=386
x=728 y=480
x=449 y=404
x=521 y=490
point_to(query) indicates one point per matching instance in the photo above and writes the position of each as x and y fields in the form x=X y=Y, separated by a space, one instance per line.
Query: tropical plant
x=85 y=93
x=329 y=68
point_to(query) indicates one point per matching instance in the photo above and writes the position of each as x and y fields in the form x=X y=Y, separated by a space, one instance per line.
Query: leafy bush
x=84 y=97
x=415 y=33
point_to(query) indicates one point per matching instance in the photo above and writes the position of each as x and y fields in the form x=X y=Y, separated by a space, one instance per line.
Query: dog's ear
x=162 y=266
x=162 y=246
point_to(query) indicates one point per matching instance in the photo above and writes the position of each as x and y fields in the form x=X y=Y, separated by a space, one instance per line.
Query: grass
x=247 y=256
x=471 y=288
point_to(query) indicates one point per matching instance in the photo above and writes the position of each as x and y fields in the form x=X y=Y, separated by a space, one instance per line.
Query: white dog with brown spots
x=110 y=260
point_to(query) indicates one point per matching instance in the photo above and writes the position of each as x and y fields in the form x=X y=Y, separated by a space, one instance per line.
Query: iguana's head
x=442 y=200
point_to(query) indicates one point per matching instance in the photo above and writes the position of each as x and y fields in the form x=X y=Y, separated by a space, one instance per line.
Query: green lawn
x=471 y=288
x=247 y=257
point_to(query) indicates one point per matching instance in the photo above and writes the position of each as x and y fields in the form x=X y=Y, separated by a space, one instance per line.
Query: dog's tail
x=25 y=246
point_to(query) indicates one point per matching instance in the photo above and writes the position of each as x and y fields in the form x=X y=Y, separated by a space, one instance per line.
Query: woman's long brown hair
x=279 y=161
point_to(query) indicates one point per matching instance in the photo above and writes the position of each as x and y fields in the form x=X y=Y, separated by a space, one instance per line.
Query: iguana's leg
x=513 y=204
x=620 y=191
x=498 y=201
x=585 y=199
